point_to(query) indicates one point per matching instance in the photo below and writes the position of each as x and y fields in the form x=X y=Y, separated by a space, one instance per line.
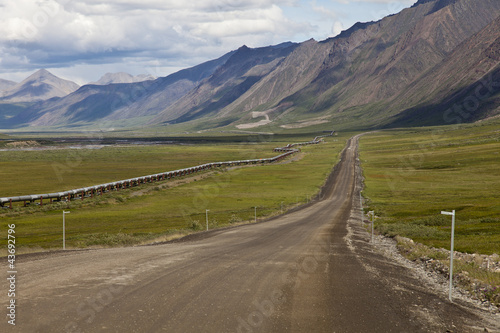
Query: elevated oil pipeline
x=91 y=191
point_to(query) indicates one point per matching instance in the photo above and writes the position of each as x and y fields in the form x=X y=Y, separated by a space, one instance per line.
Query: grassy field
x=53 y=170
x=155 y=210
x=412 y=175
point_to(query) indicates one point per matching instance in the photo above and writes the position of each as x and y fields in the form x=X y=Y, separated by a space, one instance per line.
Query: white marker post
x=452 y=213
x=373 y=226
x=372 y=214
x=64 y=229
x=255 y=214
x=206 y=212
x=361 y=206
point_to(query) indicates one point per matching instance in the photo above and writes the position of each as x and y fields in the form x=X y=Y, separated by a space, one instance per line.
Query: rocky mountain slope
x=469 y=81
x=406 y=69
x=41 y=85
x=356 y=78
x=241 y=72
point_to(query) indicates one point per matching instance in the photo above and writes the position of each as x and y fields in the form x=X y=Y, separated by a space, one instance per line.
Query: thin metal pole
x=372 y=218
x=373 y=225
x=361 y=206
x=206 y=212
x=452 y=213
x=451 y=252
x=64 y=229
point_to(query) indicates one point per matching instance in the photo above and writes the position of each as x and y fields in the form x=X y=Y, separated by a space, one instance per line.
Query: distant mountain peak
x=41 y=74
x=41 y=85
x=43 y=71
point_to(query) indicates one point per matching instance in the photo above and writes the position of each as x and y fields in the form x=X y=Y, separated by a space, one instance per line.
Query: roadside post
x=64 y=229
x=361 y=206
x=452 y=213
x=206 y=212
x=255 y=214
x=371 y=213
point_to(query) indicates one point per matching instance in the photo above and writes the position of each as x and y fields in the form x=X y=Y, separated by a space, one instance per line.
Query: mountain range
x=437 y=62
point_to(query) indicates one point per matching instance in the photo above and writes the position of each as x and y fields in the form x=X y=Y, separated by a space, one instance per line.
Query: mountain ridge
x=112 y=102
x=472 y=86
x=388 y=73
x=367 y=64
x=241 y=71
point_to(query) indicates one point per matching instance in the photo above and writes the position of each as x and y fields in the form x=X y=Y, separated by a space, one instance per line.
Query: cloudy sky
x=81 y=40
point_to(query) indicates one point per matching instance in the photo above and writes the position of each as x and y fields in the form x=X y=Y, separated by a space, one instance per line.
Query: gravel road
x=312 y=270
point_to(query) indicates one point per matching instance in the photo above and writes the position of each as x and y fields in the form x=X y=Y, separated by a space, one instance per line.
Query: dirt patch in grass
x=22 y=144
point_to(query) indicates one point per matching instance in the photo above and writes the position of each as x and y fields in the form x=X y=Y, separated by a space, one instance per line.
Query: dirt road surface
x=313 y=270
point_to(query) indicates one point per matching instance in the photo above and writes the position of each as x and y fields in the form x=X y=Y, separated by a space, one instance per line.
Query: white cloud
x=86 y=35
x=48 y=32
x=337 y=28
x=324 y=12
